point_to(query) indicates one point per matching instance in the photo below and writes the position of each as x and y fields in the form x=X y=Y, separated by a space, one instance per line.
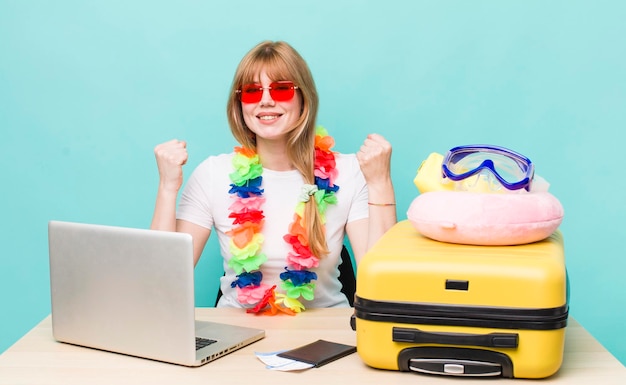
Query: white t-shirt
x=205 y=201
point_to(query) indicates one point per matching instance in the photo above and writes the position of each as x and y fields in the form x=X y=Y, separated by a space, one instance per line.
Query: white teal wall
x=87 y=88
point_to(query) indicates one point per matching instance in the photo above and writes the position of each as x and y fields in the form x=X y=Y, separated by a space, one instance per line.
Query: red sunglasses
x=280 y=91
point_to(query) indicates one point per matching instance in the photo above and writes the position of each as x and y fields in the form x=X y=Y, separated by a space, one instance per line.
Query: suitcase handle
x=491 y=340
x=455 y=361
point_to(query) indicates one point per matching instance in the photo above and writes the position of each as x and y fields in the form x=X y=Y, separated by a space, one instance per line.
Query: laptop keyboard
x=203 y=342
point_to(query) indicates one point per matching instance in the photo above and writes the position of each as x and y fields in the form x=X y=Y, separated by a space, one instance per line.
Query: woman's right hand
x=170 y=157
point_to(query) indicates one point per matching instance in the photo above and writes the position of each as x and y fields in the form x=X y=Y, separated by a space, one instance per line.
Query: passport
x=319 y=353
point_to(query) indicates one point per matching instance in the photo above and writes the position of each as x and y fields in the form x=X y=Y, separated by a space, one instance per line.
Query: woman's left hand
x=375 y=159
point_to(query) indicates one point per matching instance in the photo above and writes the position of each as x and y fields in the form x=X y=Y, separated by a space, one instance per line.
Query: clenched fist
x=375 y=159
x=170 y=157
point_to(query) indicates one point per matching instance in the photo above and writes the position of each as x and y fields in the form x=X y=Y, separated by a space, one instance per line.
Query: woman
x=283 y=201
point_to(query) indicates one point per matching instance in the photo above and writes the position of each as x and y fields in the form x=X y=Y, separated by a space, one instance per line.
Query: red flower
x=268 y=306
x=324 y=160
x=298 y=248
x=254 y=216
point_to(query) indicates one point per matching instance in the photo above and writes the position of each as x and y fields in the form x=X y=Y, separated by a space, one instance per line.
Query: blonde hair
x=280 y=61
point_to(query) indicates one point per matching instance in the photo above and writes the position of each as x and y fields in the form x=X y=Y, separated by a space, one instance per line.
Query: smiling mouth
x=269 y=117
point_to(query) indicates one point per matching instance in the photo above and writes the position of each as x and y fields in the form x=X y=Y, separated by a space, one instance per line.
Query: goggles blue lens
x=513 y=170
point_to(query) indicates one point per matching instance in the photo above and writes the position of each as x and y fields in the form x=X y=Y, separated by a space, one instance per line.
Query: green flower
x=305 y=291
x=249 y=264
x=245 y=169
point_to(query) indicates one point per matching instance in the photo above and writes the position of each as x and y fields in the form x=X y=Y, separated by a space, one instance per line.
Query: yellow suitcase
x=439 y=308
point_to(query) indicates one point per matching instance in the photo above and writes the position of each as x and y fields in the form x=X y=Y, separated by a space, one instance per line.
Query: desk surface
x=38 y=359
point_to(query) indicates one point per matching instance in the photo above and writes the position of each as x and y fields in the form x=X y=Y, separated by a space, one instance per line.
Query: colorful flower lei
x=246 y=237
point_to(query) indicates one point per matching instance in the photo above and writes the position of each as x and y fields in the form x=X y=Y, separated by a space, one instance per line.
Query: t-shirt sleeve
x=358 y=208
x=194 y=204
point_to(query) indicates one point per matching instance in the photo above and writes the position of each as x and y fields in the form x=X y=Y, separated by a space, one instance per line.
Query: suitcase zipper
x=461 y=315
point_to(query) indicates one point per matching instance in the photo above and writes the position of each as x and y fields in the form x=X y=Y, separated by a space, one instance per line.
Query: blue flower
x=251 y=187
x=298 y=277
x=248 y=279
x=324 y=184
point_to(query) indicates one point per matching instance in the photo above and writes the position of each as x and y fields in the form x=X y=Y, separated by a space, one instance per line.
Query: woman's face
x=270 y=119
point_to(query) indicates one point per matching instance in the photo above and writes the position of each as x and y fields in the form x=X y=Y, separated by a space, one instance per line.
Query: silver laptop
x=131 y=291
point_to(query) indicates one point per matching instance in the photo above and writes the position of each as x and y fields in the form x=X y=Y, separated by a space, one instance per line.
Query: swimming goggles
x=281 y=91
x=512 y=170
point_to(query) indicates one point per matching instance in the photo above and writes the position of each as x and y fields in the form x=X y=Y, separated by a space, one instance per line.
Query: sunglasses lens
x=282 y=91
x=279 y=91
x=251 y=93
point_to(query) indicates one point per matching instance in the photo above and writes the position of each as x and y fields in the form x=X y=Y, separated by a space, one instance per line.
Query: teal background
x=88 y=88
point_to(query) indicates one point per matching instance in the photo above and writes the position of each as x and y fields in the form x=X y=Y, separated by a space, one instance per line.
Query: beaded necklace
x=246 y=237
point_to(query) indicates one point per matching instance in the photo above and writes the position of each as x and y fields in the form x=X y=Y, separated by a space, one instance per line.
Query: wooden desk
x=38 y=359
